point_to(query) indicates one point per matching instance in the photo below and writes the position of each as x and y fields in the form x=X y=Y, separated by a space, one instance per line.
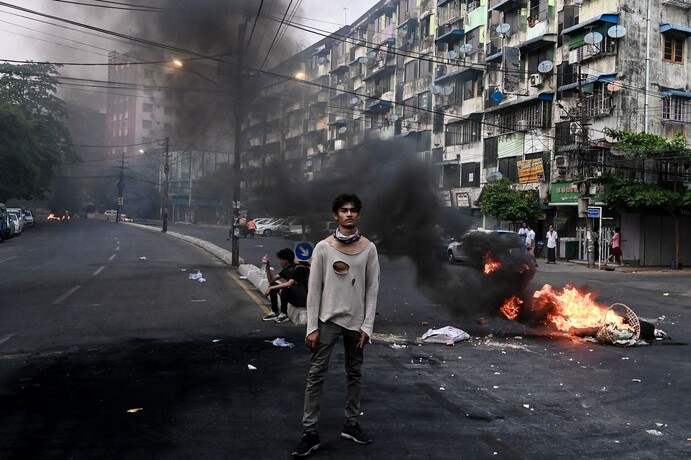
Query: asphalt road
x=89 y=332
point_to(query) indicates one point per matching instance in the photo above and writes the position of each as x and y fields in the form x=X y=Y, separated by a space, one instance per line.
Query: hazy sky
x=23 y=37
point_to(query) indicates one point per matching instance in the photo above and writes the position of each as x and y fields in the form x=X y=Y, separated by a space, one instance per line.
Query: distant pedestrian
x=616 y=252
x=522 y=233
x=251 y=228
x=292 y=290
x=530 y=243
x=552 y=238
x=341 y=302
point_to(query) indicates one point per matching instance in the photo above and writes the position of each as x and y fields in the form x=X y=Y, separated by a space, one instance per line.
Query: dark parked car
x=475 y=244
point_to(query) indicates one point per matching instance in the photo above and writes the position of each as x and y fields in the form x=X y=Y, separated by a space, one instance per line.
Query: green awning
x=577 y=40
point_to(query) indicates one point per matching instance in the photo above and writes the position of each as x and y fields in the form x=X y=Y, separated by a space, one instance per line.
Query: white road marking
x=6 y=338
x=66 y=294
x=117 y=248
x=8 y=259
x=198 y=300
x=112 y=257
x=100 y=269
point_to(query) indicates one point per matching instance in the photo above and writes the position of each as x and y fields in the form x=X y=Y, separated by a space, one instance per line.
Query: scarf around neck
x=347 y=239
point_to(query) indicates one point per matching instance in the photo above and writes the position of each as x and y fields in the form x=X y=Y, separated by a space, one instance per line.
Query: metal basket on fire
x=619 y=326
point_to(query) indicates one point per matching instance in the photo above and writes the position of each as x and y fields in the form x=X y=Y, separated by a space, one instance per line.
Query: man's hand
x=267 y=292
x=312 y=340
x=364 y=338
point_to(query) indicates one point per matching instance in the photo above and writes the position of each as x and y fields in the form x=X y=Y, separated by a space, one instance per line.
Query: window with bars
x=675 y=108
x=464 y=132
x=535 y=115
x=598 y=103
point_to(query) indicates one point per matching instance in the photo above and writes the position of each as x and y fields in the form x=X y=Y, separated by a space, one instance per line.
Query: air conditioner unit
x=522 y=125
x=535 y=80
x=560 y=160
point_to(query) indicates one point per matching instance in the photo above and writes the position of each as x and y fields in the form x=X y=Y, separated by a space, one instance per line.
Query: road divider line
x=8 y=259
x=6 y=338
x=251 y=294
x=100 y=269
x=66 y=294
x=111 y=257
x=117 y=248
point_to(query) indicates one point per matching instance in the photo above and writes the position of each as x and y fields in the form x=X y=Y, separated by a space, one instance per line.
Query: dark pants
x=329 y=334
x=287 y=296
x=552 y=255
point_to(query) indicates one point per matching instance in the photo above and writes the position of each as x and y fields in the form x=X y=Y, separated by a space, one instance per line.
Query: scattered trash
x=183 y=269
x=396 y=346
x=201 y=280
x=196 y=275
x=636 y=380
x=424 y=323
x=217 y=340
x=666 y=294
x=527 y=406
x=442 y=388
x=142 y=258
x=654 y=432
x=243 y=277
x=136 y=409
x=251 y=367
x=281 y=342
x=447 y=334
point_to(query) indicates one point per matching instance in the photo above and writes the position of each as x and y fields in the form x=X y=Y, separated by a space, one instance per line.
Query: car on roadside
x=15 y=224
x=472 y=247
x=111 y=215
x=29 y=218
x=274 y=227
x=4 y=223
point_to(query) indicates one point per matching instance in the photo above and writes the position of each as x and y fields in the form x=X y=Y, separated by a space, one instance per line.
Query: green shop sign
x=570 y=192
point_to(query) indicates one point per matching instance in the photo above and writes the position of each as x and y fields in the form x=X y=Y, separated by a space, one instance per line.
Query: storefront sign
x=530 y=171
x=568 y=193
x=462 y=199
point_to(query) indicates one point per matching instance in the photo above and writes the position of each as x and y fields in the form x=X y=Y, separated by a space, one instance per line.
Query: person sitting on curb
x=293 y=290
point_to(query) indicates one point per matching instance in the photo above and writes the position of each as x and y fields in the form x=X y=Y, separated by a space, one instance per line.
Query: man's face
x=347 y=216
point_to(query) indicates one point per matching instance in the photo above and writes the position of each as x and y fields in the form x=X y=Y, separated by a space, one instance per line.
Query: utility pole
x=590 y=235
x=237 y=114
x=121 y=184
x=166 y=170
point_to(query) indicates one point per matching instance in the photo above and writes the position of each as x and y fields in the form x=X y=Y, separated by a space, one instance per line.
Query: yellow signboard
x=530 y=171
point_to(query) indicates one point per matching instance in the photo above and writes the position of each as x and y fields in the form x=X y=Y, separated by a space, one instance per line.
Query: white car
x=15 y=224
x=111 y=214
x=29 y=218
x=273 y=227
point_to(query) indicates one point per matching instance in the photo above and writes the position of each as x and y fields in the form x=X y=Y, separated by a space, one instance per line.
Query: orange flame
x=491 y=265
x=566 y=309
x=511 y=307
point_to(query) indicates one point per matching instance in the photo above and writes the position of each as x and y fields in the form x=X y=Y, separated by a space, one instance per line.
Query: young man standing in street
x=292 y=290
x=552 y=238
x=341 y=302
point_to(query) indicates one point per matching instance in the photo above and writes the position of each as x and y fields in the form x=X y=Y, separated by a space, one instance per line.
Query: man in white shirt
x=341 y=302
x=552 y=238
x=530 y=243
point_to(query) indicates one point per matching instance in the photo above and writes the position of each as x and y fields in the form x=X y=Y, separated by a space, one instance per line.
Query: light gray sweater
x=348 y=298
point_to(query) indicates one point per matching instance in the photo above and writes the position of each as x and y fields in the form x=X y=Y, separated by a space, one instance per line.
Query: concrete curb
x=253 y=274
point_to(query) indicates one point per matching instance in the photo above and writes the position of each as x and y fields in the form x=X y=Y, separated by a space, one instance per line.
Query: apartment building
x=522 y=89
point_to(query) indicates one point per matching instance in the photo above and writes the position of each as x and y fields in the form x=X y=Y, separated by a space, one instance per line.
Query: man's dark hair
x=286 y=254
x=617 y=229
x=344 y=198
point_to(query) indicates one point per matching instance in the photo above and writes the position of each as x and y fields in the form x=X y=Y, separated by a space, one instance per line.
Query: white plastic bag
x=445 y=335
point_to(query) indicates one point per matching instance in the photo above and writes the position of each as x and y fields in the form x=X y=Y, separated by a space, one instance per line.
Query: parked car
x=19 y=211
x=29 y=218
x=324 y=229
x=15 y=224
x=296 y=225
x=111 y=214
x=4 y=224
x=473 y=245
x=273 y=227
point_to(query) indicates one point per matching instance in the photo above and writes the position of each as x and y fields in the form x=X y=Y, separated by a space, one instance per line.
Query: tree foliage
x=501 y=200
x=646 y=145
x=33 y=135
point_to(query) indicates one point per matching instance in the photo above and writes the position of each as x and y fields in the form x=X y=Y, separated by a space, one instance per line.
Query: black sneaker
x=308 y=444
x=355 y=433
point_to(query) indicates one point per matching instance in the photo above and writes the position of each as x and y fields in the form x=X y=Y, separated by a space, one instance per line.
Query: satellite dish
x=342 y=130
x=497 y=97
x=453 y=54
x=394 y=118
x=610 y=138
x=615 y=86
x=467 y=48
x=545 y=66
x=503 y=28
x=574 y=128
x=447 y=90
x=593 y=38
x=354 y=100
x=363 y=60
x=494 y=176
x=437 y=89
x=616 y=31
x=372 y=54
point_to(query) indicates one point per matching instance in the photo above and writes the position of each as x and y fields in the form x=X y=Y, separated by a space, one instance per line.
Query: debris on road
x=446 y=335
x=396 y=346
x=142 y=258
x=136 y=409
x=197 y=276
x=251 y=367
x=281 y=342
x=654 y=432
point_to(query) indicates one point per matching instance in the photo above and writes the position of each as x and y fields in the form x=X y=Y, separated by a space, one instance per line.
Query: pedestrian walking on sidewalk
x=293 y=290
x=552 y=238
x=616 y=252
x=341 y=302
